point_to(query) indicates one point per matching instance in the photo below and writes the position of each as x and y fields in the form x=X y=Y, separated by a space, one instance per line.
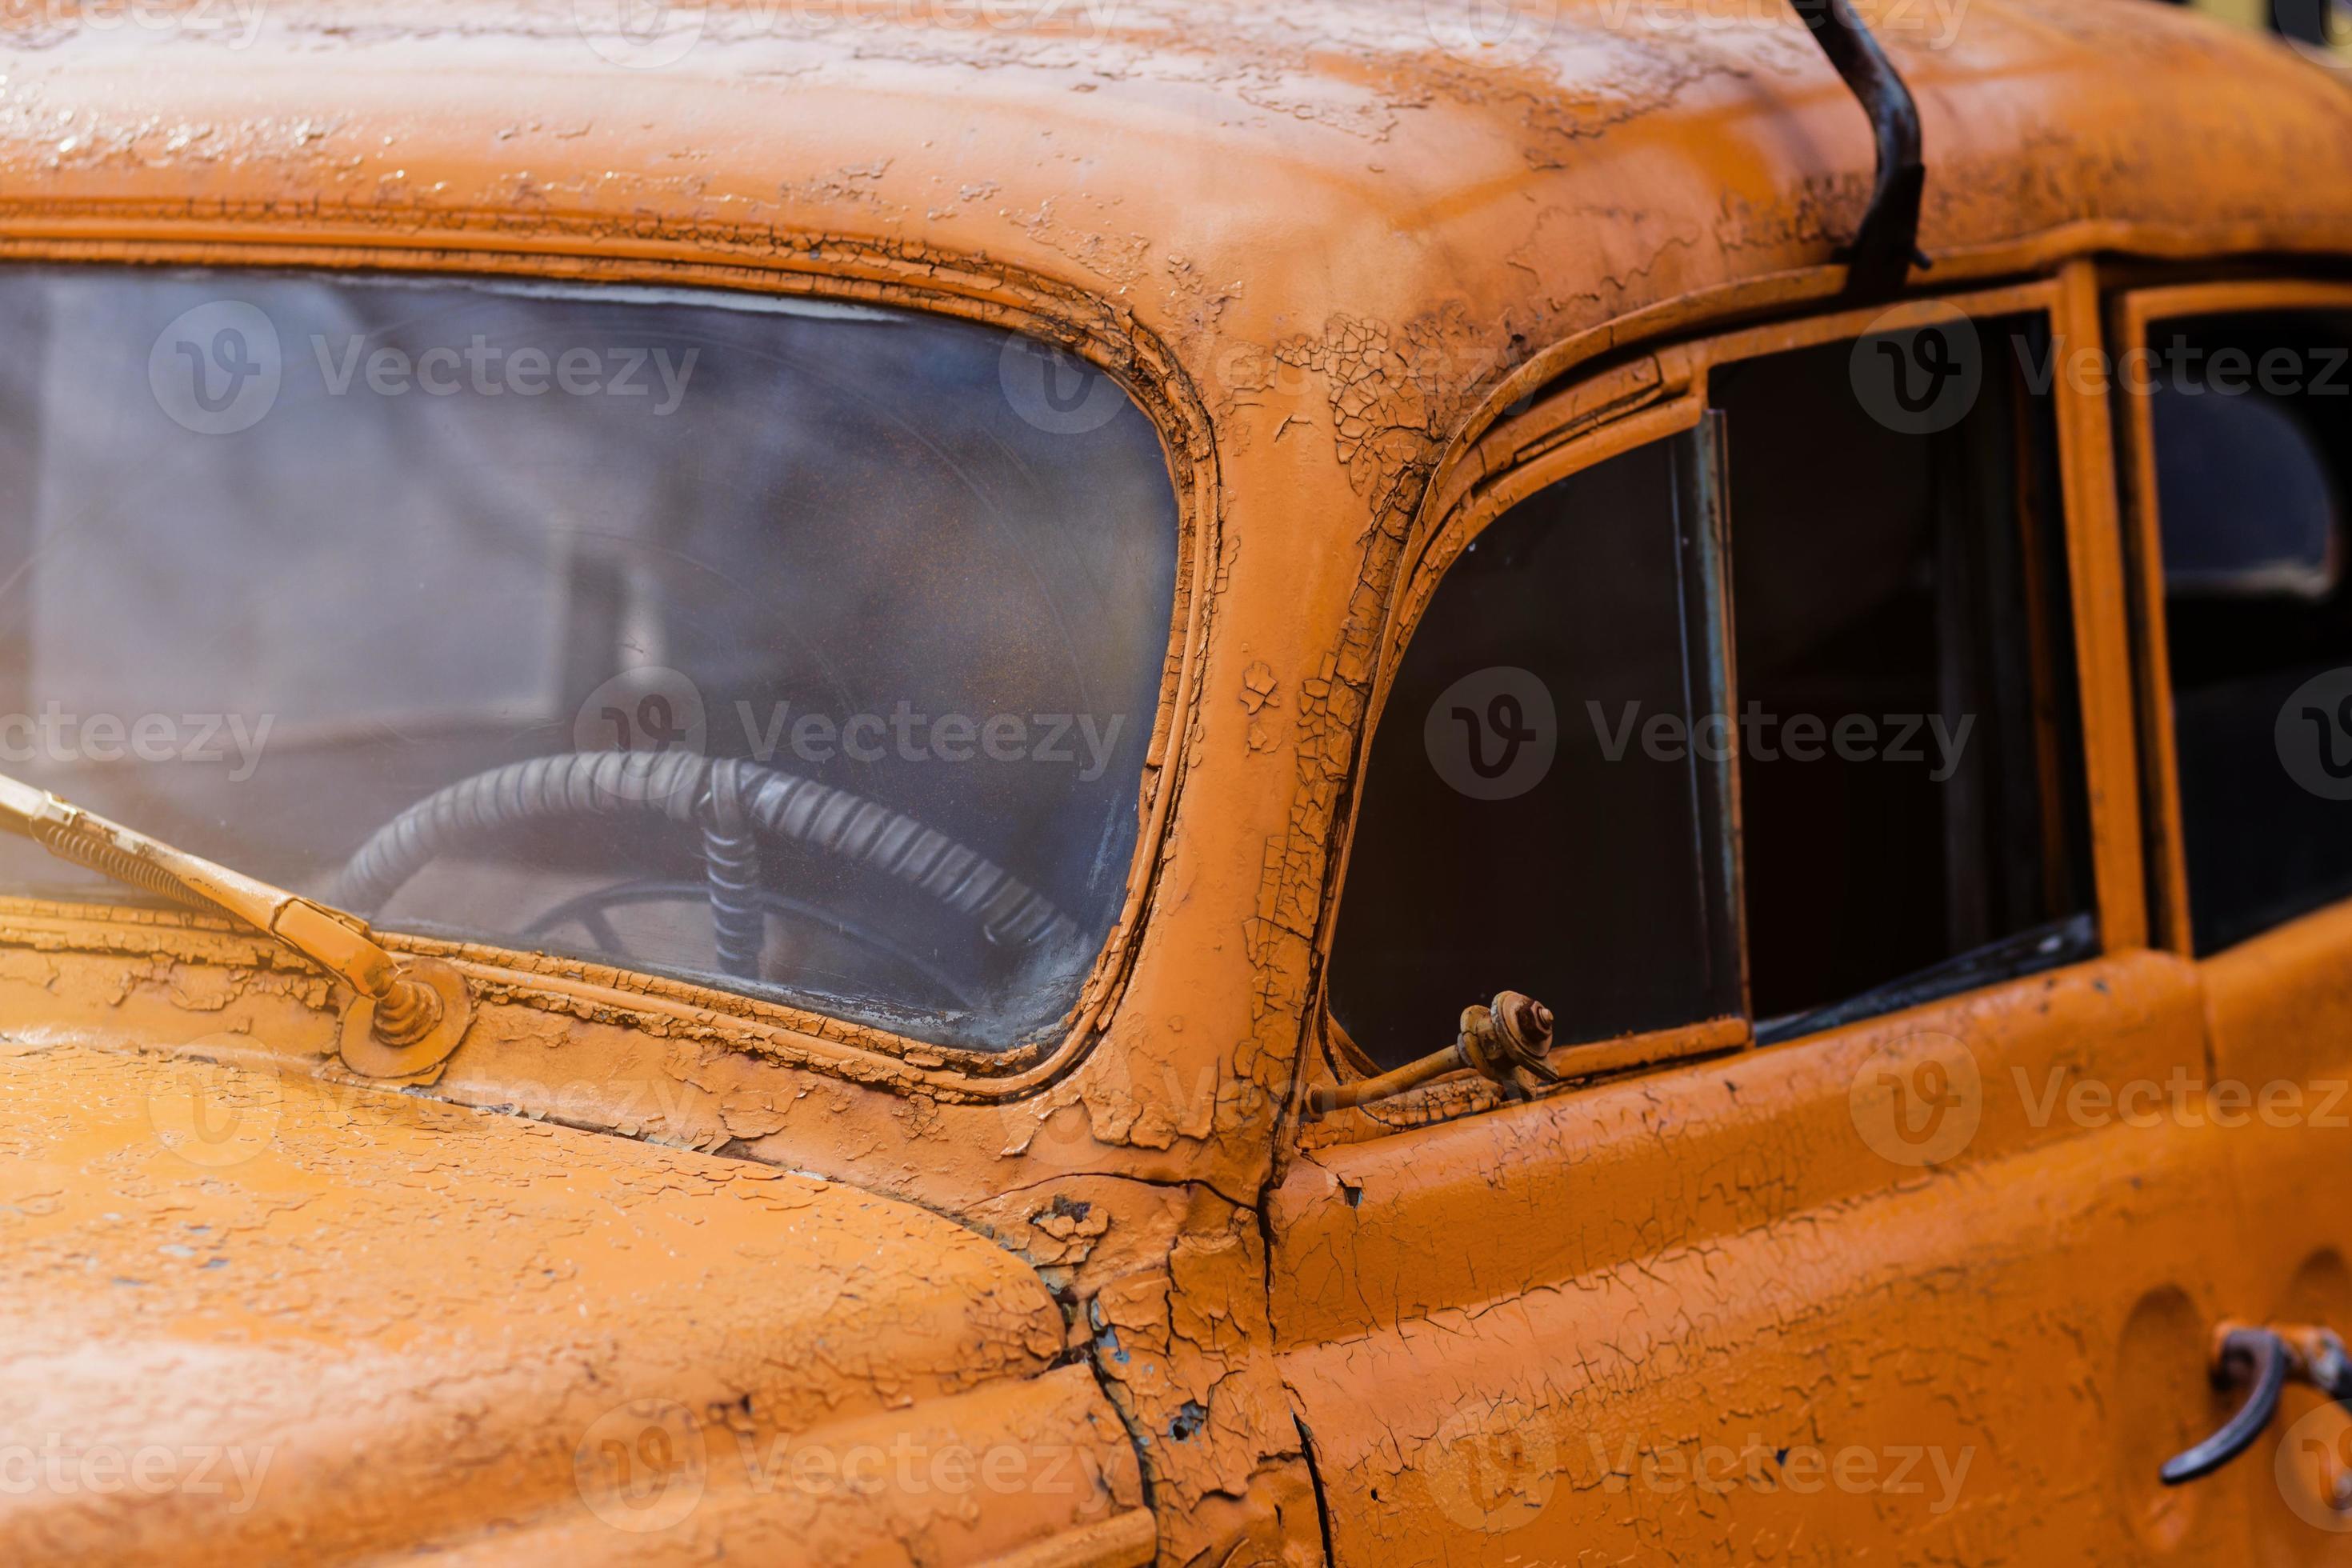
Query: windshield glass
x=809 y=650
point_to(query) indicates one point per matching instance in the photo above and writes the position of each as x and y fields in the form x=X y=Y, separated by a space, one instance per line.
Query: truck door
x=2234 y=403
x=1767 y=715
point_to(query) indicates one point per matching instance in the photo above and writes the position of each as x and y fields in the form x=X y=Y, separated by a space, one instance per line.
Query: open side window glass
x=1537 y=815
x=1911 y=774
x=1773 y=720
x=2236 y=406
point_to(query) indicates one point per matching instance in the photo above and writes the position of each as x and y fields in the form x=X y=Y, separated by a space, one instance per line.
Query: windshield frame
x=1080 y=323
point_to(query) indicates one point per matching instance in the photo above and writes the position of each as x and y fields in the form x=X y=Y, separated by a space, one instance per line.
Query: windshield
x=812 y=651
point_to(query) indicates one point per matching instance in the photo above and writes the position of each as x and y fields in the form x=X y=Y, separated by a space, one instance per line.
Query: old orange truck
x=893 y=781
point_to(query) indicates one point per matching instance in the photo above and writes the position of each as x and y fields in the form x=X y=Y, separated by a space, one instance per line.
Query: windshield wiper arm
x=408 y=1014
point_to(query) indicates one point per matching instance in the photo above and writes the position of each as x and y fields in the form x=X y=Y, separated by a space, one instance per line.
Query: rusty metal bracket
x=403 y=1013
x=1505 y=1042
x=381 y=1039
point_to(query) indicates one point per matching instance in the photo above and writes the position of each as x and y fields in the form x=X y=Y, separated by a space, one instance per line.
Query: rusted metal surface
x=1506 y=1043
x=381 y=1323
x=1329 y=255
x=415 y=1013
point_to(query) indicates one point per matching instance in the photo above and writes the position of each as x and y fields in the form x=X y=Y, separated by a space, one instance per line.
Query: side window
x=1912 y=802
x=2252 y=423
x=1528 y=820
x=1835 y=623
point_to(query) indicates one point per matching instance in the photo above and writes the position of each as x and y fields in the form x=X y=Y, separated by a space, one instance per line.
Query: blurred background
x=2319 y=23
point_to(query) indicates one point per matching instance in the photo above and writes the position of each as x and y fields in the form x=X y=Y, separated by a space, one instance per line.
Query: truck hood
x=255 y=1317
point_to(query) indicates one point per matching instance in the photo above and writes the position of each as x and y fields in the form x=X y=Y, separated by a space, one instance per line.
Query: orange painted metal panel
x=2279 y=1006
x=1608 y=1320
x=1327 y=247
x=333 y=1321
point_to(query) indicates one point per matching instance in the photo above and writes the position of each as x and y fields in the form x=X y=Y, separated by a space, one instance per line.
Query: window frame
x=1652 y=392
x=2133 y=313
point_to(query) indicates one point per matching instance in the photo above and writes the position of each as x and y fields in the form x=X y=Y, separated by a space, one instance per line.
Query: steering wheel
x=737 y=806
x=591 y=912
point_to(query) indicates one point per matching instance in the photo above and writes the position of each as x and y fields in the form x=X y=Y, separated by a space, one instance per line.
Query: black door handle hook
x=2257 y=1357
x=2262 y=1361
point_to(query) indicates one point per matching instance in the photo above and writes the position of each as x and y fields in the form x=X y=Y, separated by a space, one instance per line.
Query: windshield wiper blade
x=408 y=1014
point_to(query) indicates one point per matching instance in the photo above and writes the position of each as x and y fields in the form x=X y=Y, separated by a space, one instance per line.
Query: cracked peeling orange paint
x=1328 y=258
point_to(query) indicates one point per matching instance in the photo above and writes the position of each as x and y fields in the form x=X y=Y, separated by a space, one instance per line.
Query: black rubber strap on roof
x=1886 y=245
